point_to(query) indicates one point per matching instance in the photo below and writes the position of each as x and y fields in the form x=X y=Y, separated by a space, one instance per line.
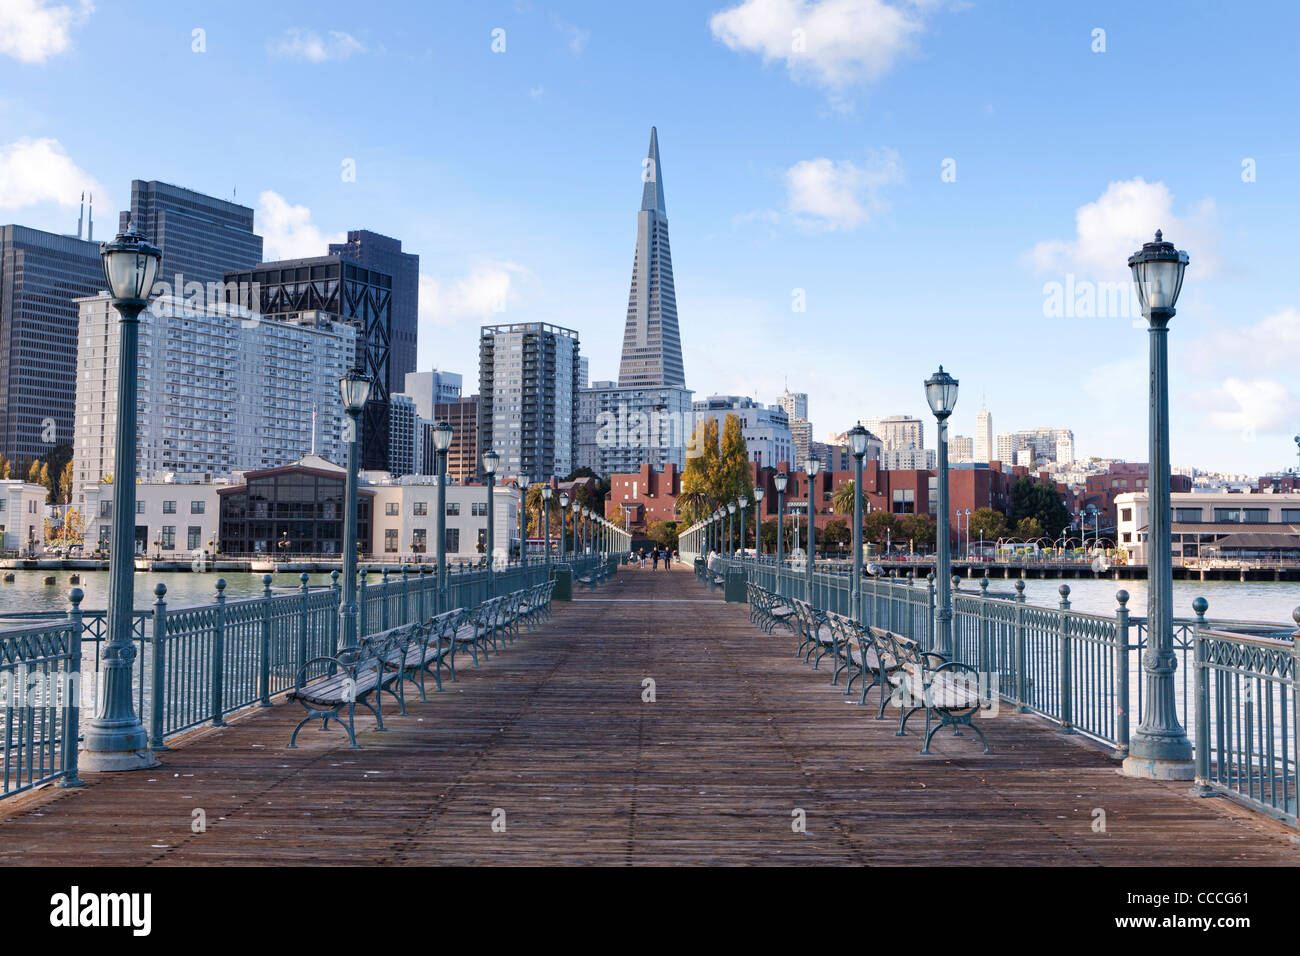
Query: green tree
x=664 y=534
x=735 y=477
x=697 y=499
x=835 y=535
x=877 y=528
x=1029 y=529
x=988 y=521
x=1032 y=499
x=842 y=500
x=919 y=529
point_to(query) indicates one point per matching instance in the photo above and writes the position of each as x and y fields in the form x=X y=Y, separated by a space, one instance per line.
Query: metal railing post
x=1022 y=641
x=301 y=656
x=264 y=651
x=361 y=591
x=406 y=607
x=1121 y=675
x=383 y=604
x=984 y=665
x=338 y=606
x=929 y=617
x=219 y=655
x=1063 y=661
x=1201 y=745
x=72 y=693
x=158 y=666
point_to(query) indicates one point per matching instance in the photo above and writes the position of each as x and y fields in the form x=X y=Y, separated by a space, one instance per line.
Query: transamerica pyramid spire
x=652 y=348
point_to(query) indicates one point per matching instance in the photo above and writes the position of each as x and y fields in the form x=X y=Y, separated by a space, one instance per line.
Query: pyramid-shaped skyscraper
x=652 y=346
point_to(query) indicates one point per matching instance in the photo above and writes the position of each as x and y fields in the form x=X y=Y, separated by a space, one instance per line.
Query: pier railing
x=1237 y=681
x=195 y=666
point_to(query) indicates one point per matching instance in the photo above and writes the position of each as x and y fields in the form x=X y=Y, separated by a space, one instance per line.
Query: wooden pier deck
x=554 y=733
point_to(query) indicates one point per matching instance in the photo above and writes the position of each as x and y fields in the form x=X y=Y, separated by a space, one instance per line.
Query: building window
x=1288 y=514
x=139 y=507
x=194 y=537
x=419 y=540
x=390 y=508
x=904 y=501
x=420 y=508
x=169 y=507
x=169 y=537
x=453 y=509
x=197 y=507
x=478 y=509
x=1126 y=514
x=452 y=543
x=1127 y=537
x=1254 y=515
x=1187 y=515
x=106 y=509
x=1232 y=515
x=105 y=535
x=390 y=540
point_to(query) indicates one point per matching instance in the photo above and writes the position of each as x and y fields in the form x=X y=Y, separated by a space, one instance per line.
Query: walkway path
x=553 y=738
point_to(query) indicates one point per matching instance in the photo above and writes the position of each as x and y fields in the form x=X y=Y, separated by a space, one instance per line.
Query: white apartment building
x=220 y=390
x=173 y=519
x=984 y=446
x=1215 y=526
x=961 y=450
x=1043 y=444
x=22 y=514
x=897 y=431
x=765 y=428
x=406 y=518
x=909 y=459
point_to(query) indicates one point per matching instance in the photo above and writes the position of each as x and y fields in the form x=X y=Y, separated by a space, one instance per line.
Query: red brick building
x=1122 y=476
x=644 y=496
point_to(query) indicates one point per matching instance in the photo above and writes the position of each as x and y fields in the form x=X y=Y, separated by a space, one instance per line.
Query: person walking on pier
x=654 y=559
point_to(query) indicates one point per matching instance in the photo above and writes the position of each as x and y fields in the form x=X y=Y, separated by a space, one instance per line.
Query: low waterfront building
x=1226 y=526
x=173 y=519
x=22 y=514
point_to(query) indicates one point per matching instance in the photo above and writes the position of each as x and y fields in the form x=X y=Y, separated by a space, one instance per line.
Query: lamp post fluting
x=442 y=434
x=490 y=461
x=857 y=445
x=941 y=394
x=812 y=465
x=355 y=389
x=779 y=481
x=1159 y=749
x=115 y=739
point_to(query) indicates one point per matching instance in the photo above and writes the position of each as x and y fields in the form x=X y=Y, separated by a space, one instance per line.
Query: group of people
x=656 y=555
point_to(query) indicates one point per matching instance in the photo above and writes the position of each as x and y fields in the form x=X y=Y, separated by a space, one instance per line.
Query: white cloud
x=287 y=230
x=834 y=43
x=485 y=292
x=841 y=195
x=1113 y=227
x=299 y=43
x=1249 y=406
x=31 y=31
x=39 y=170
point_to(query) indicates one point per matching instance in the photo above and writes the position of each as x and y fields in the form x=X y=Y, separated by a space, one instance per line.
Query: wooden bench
x=355 y=675
x=767 y=609
x=948 y=691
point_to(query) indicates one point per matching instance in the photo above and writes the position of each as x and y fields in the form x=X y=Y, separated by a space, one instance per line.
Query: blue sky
x=804 y=148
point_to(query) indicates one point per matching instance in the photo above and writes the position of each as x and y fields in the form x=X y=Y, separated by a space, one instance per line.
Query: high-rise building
x=984 y=447
x=652 y=348
x=405 y=437
x=1046 y=444
x=622 y=428
x=909 y=459
x=201 y=238
x=385 y=255
x=898 y=432
x=219 y=390
x=462 y=455
x=432 y=388
x=40 y=275
x=765 y=428
x=528 y=402
x=795 y=405
x=961 y=450
x=336 y=288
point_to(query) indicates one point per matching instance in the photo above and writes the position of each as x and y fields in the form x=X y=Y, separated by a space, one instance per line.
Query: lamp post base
x=1152 y=768
x=112 y=761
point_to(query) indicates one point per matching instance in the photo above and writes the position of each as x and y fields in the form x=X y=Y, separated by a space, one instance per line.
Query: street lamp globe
x=731 y=507
x=779 y=482
x=1158 y=273
x=442 y=433
x=547 y=491
x=812 y=464
x=490 y=461
x=743 y=501
x=758 y=495
x=130 y=264
x=941 y=393
x=858 y=441
x=564 y=500
x=355 y=389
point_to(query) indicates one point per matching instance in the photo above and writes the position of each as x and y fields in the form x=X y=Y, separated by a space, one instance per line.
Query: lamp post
x=115 y=739
x=523 y=522
x=812 y=464
x=1160 y=748
x=547 y=492
x=857 y=445
x=941 y=393
x=731 y=515
x=564 y=507
x=355 y=389
x=779 y=481
x=743 y=503
x=758 y=524
x=442 y=434
x=490 y=461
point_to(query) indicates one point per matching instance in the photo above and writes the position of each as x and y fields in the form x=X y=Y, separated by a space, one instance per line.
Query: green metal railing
x=1238 y=680
x=195 y=666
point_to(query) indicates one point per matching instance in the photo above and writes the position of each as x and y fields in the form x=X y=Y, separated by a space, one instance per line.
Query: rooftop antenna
x=90 y=222
x=81 y=213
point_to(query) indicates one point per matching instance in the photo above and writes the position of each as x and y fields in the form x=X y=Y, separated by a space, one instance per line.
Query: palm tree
x=692 y=505
x=842 y=502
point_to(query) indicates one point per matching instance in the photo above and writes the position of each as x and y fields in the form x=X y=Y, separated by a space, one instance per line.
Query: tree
x=1032 y=499
x=735 y=478
x=6 y=468
x=34 y=472
x=835 y=535
x=65 y=483
x=1029 y=529
x=919 y=529
x=989 y=522
x=842 y=500
x=877 y=527
x=697 y=499
x=664 y=534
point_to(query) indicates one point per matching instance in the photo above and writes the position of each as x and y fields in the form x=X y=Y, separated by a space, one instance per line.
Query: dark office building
x=300 y=503
x=40 y=274
x=383 y=254
x=201 y=238
x=462 y=456
x=291 y=289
